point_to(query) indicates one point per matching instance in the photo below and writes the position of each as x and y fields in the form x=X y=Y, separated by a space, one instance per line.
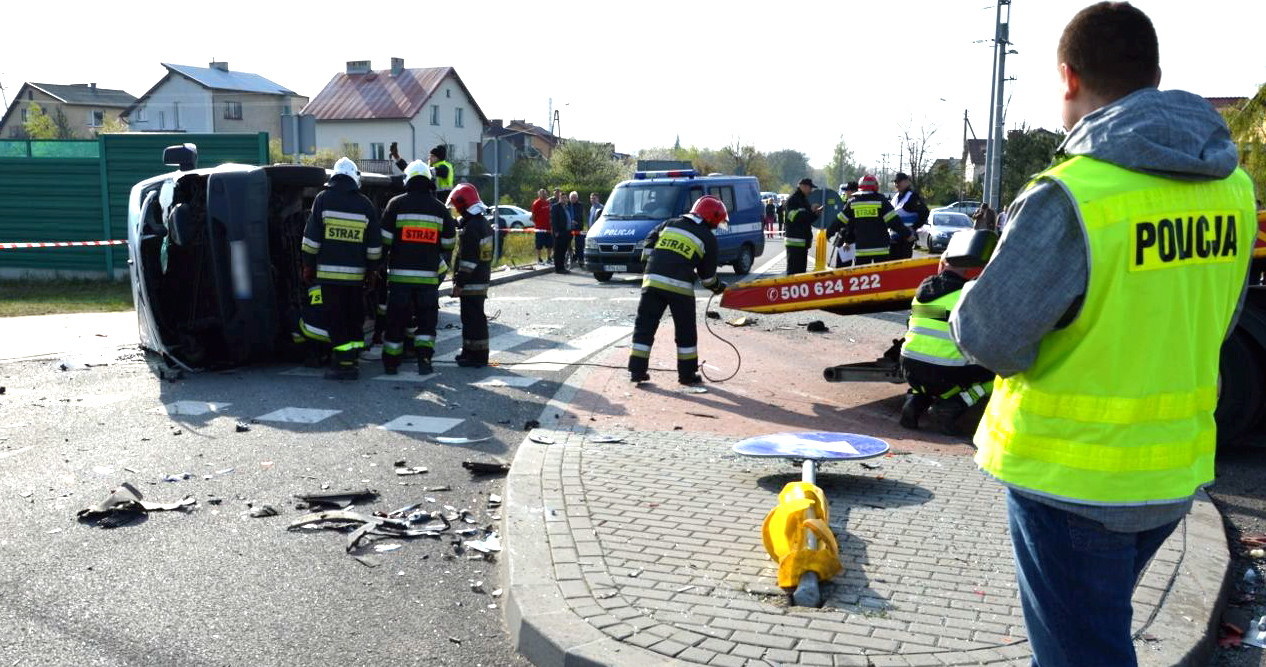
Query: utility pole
x=993 y=150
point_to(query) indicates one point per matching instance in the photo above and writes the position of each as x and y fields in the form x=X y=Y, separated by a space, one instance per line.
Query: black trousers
x=579 y=240
x=561 y=243
x=797 y=259
x=862 y=260
x=901 y=250
x=345 y=310
x=942 y=382
x=404 y=302
x=650 y=309
x=474 y=328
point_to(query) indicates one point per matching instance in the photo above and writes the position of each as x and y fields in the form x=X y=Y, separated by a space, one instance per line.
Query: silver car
x=942 y=224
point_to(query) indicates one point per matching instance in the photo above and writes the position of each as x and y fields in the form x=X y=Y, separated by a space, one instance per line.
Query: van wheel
x=743 y=265
x=602 y=276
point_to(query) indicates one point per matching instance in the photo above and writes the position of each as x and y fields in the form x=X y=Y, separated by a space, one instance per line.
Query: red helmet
x=463 y=197
x=710 y=210
x=868 y=183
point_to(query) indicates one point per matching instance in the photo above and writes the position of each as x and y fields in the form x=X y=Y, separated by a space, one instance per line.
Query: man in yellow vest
x=443 y=170
x=1119 y=275
x=938 y=375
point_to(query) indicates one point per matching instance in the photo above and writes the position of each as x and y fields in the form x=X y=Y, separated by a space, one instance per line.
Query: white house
x=415 y=108
x=213 y=99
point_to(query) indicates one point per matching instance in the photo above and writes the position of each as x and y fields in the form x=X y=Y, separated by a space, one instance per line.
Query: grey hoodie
x=1036 y=280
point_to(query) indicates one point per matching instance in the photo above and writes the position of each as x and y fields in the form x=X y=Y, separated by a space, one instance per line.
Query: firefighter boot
x=688 y=372
x=343 y=372
x=470 y=358
x=390 y=364
x=946 y=413
x=424 y=362
x=639 y=368
x=914 y=407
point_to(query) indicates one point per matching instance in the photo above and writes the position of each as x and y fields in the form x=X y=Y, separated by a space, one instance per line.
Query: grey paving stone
x=668 y=647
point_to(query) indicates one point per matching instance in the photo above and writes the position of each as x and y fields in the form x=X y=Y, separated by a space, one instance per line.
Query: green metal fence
x=78 y=191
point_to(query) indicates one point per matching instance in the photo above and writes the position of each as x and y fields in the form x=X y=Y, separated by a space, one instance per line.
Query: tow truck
x=890 y=286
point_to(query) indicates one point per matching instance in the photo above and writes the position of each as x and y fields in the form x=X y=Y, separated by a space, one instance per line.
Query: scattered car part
x=487 y=467
x=338 y=500
x=124 y=505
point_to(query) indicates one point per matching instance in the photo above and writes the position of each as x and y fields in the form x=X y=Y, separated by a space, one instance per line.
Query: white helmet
x=418 y=168
x=346 y=167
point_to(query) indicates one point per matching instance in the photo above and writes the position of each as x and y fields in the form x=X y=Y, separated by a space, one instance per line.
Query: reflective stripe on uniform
x=639 y=350
x=793 y=242
x=870 y=252
x=338 y=272
x=373 y=252
x=934 y=333
x=475 y=289
x=311 y=247
x=413 y=276
x=424 y=341
x=463 y=265
x=688 y=352
x=668 y=284
x=350 y=346
x=932 y=359
x=930 y=312
x=315 y=333
x=387 y=237
x=392 y=348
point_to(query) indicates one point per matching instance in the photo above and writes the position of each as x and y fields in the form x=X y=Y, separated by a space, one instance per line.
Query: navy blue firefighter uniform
x=799 y=229
x=474 y=270
x=677 y=251
x=869 y=220
x=342 y=243
x=418 y=233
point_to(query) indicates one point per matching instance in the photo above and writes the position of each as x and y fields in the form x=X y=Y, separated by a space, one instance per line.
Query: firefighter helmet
x=710 y=210
x=868 y=183
x=417 y=168
x=345 y=167
x=465 y=198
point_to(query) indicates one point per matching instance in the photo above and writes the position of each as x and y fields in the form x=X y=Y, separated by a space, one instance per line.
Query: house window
x=139 y=115
x=96 y=118
x=448 y=92
x=435 y=114
x=23 y=114
x=285 y=109
x=457 y=117
x=232 y=111
x=175 y=115
x=376 y=152
x=162 y=120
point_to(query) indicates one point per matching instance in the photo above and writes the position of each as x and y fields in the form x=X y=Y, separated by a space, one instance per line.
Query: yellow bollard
x=786 y=533
x=819 y=250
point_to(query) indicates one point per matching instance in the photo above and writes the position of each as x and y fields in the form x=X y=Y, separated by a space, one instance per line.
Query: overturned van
x=636 y=207
x=214 y=257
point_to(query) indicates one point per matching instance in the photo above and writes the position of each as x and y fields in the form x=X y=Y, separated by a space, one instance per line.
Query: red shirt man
x=540 y=220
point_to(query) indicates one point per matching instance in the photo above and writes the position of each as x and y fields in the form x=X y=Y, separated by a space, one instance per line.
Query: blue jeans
x=1076 y=579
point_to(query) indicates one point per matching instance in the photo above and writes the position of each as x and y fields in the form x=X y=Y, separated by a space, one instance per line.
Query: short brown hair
x=1112 y=46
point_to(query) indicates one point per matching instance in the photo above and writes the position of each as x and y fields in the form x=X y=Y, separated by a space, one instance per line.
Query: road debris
x=531 y=424
x=178 y=477
x=124 y=505
x=404 y=469
x=261 y=511
x=712 y=315
x=541 y=438
x=337 y=500
x=242 y=427
x=694 y=390
x=605 y=438
x=1230 y=635
x=476 y=586
x=496 y=593
x=446 y=440
x=741 y=321
x=489 y=545
x=1256 y=635
x=487 y=467
x=816 y=326
x=494 y=500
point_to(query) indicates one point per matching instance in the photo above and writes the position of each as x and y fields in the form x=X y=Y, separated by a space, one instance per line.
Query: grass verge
x=48 y=297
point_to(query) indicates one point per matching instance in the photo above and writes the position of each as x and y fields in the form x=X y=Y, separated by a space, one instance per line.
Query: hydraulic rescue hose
x=738 y=356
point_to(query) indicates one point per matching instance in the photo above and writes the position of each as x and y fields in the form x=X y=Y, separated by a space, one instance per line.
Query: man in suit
x=562 y=217
x=578 y=214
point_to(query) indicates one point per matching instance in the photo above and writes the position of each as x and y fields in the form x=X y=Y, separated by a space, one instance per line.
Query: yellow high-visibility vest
x=445 y=182
x=928 y=335
x=1118 y=407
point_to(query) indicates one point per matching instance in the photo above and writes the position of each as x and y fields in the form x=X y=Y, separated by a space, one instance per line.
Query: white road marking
x=505 y=341
x=781 y=256
x=575 y=350
x=519 y=381
x=513 y=298
x=574 y=298
x=420 y=424
x=191 y=408
x=298 y=415
x=626 y=298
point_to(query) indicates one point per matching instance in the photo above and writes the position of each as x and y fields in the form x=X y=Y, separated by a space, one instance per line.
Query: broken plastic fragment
x=496 y=593
x=541 y=438
x=261 y=511
x=490 y=544
x=338 y=500
x=446 y=440
x=384 y=548
x=124 y=505
x=494 y=500
x=242 y=427
x=817 y=326
x=409 y=470
x=605 y=438
x=486 y=467
x=531 y=424
x=741 y=321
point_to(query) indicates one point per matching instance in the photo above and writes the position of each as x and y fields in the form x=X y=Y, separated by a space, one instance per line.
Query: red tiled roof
x=379 y=95
x=1221 y=103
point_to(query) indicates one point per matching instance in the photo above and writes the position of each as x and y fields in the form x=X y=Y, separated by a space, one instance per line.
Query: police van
x=635 y=208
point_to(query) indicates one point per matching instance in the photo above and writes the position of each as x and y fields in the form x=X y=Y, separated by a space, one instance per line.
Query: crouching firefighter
x=675 y=252
x=939 y=377
x=342 y=245
x=417 y=234
x=474 y=270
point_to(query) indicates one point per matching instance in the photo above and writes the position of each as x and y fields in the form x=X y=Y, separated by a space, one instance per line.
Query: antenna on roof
x=3 y=96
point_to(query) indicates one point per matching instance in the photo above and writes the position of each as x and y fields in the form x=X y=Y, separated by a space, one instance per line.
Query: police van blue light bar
x=672 y=173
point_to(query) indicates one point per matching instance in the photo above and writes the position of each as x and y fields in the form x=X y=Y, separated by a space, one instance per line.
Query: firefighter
x=675 y=252
x=342 y=246
x=869 y=221
x=800 y=218
x=418 y=233
x=939 y=377
x=841 y=249
x=442 y=170
x=474 y=270
x=311 y=333
x=913 y=213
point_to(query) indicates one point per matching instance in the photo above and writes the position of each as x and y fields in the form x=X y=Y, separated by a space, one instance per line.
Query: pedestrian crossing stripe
x=298 y=415
x=517 y=381
x=421 y=424
x=191 y=408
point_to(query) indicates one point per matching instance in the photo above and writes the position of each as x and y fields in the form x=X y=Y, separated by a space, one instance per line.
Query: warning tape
x=59 y=244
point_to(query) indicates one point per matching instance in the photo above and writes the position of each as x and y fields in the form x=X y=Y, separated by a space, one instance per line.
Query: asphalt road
x=214 y=586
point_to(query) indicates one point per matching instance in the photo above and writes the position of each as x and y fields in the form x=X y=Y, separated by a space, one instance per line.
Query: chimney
x=494 y=123
x=358 y=67
x=397 y=66
x=93 y=86
x=222 y=66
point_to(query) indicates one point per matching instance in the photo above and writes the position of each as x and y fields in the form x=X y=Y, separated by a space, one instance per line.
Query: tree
x=787 y=167
x=38 y=124
x=916 y=145
x=112 y=125
x=747 y=161
x=841 y=168
x=585 y=166
x=1025 y=153
x=350 y=150
x=1248 y=130
x=944 y=183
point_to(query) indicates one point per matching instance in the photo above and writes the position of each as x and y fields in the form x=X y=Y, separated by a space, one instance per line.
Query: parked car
x=942 y=224
x=966 y=206
x=510 y=216
x=214 y=257
x=636 y=207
